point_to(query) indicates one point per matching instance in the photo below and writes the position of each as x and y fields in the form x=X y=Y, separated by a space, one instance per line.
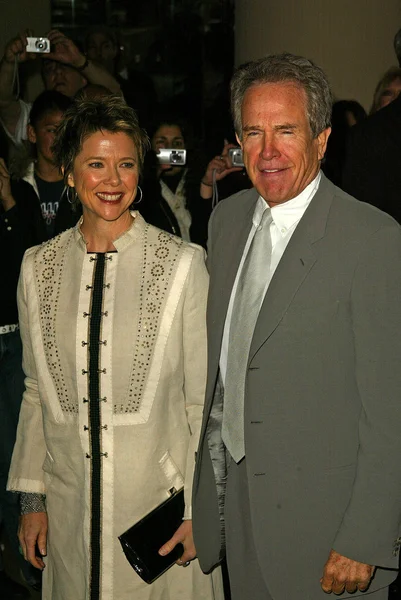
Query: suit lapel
x=227 y=250
x=294 y=266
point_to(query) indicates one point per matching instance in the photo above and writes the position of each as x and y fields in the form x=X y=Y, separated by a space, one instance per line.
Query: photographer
x=64 y=69
x=218 y=169
x=178 y=198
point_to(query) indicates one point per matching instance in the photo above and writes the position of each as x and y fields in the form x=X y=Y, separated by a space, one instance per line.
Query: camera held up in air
x=172 y=156
x=38 y=45
x=236 y=157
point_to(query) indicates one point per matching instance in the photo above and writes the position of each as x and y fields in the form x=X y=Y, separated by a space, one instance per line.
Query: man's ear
x=322 y=142
x=238 y=140
x=31 y=134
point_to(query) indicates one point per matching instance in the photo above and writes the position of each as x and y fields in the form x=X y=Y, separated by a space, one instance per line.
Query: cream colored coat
x=153 y=363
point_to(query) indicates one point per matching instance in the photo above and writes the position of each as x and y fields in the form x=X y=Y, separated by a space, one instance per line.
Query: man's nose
x=269 y=148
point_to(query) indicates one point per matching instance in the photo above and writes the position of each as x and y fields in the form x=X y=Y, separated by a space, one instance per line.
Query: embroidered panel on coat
x=49 y=268
x=160 y=255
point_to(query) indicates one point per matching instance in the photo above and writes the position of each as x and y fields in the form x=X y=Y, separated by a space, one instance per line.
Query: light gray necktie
x=248 y=299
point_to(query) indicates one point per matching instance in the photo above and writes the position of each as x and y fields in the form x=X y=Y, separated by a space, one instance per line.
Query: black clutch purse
x=142 y=541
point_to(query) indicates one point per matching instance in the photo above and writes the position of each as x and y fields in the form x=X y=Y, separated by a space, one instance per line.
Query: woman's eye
x=128 y=165
x=95 y=165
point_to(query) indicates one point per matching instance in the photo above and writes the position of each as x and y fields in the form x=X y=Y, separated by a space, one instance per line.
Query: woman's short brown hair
x=85 y=117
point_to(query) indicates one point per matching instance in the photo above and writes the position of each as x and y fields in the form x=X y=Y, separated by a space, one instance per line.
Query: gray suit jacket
x=322 y=399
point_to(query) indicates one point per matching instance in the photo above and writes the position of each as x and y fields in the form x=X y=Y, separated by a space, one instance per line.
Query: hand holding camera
x=16 y=49
x=229 y=161
x=55 y=46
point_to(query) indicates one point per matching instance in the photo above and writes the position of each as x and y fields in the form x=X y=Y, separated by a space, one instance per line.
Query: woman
x=113 y=325
x=172 y=198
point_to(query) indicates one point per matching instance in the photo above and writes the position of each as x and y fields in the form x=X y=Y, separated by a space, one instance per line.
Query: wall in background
x=16 y=16
x=352 y=40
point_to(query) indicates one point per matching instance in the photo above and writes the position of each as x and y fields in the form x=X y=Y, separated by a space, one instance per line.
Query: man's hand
x=17 y=48
x=6 y=198
x=64 y=50
x=33 y=531
x=343 y=574
x=183 y=535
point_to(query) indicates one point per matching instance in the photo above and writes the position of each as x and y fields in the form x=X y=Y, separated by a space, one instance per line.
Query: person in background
x=373 y=156
x=112 y=316
x=41 y=172
x=178 y=198
x=103 y=47
x=387 y=90
x=345 y=114
x=21 y=226
x=172 y=196
x=65 y=69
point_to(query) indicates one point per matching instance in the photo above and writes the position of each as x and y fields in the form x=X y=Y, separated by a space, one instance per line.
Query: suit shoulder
x=238 y=204
x=364 y=215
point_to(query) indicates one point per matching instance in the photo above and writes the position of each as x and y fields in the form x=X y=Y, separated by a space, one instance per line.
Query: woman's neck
x=47 y=170
x=100 y=235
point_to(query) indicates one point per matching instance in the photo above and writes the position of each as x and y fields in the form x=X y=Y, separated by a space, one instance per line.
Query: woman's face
x=42 y=134
x=168 y=136
x=105 y=176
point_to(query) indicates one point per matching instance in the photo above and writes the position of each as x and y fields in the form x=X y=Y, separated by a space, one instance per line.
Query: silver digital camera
x=38 y=44
x=236 y=157
x=172 y=156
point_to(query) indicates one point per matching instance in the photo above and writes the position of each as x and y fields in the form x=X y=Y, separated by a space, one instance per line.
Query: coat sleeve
x=370 y=528
x=26 y=473
x=194 y=344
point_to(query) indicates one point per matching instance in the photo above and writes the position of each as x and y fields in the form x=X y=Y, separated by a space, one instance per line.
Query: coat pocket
x=171 y=471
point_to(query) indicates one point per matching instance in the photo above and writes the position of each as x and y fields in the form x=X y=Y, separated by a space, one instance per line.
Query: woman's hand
x=32 y=531
x=222 y=165
x=183 y=535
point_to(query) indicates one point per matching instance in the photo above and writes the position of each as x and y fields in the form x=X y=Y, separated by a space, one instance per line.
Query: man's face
x=62 y=78
x=280 y=154
x=102 y=49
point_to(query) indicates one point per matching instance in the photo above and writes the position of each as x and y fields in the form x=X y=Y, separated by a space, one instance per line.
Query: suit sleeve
x=195 y=362
x=370 y=529
x=26 y=473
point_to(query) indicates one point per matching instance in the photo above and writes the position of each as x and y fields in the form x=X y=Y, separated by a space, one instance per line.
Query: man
x=373 y=156
x=65 y=70
x=298 y=478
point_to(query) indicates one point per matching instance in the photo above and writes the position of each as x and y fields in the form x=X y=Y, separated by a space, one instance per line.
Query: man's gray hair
x=278 y=68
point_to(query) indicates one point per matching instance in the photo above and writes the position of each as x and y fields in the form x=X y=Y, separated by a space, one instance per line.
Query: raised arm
x=14 y=53
x=65 y=51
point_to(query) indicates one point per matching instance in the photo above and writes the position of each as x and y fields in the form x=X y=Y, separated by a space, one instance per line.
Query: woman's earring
x=72 y=199
x=140 y=199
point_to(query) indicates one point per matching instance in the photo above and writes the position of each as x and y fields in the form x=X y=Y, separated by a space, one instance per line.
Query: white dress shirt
x=286 y=217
